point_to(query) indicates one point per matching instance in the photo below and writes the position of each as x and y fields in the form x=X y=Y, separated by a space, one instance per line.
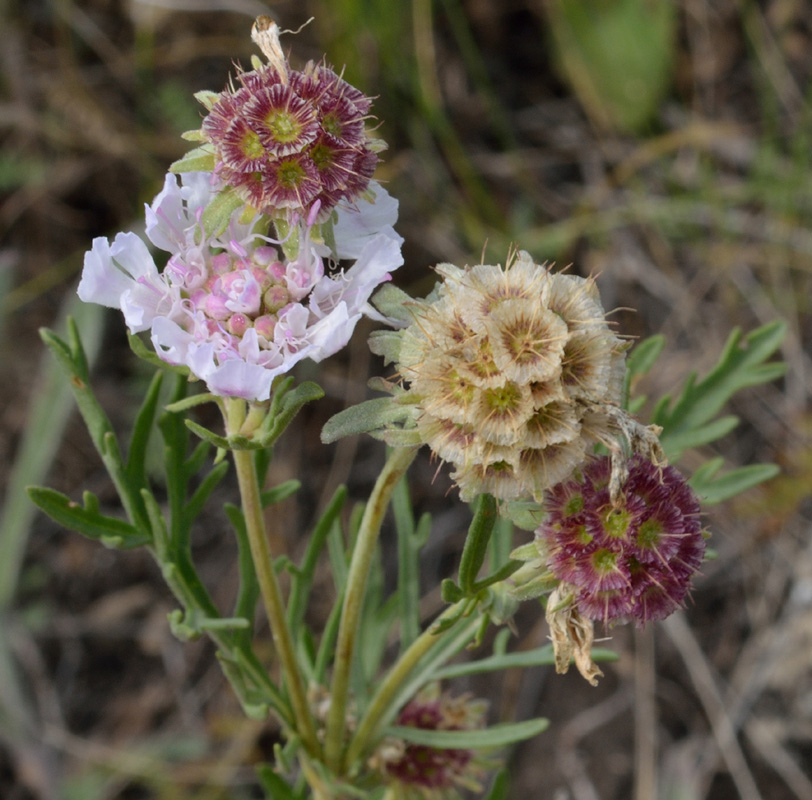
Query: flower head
x=233 y=308
x=421 y=771
x=632 y=560
x=286 y=140
x=509 y=369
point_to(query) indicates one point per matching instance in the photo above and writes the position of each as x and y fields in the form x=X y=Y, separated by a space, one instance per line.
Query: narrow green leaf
x=740 y=365
x=201 y=159
x=302 y=580
x=219 y=211
x=338 y=555
x=192 y=401
x=87 y=520
x=277 y=494
x=504 y=572
x=206 y=98
x=195 y=462
x=495 y=736
x=732 y=483
x=387 y=345
x=541 y=656
x=254 y=704
x=208 y=436
x=194 y=505
x=371 y=415
x=476 y=543
x=72 y=359
x=639 y=362
x=328 y=640
x=73 y=362
x=142 y=429
x=275 y=787
x=395 y=303
x=526 y=515
x=49 y=407
x=644 y=355
x=448 y=643
x=500 y=786
x=289 y=406
x=501 y=543
x=160 y=534
x=408 y=565
x=704 y=434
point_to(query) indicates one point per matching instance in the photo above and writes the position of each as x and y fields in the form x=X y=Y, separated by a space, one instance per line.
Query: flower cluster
x=510 y=369
x=287 y=140
x=629 y=561
x=422 y=771
x=232 y=308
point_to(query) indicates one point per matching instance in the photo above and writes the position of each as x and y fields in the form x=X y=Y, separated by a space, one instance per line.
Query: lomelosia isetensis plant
x=266 y=245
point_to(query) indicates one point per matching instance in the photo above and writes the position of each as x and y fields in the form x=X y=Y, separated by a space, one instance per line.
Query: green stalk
x=272 y=597
x=399 y=460
x=392 y=683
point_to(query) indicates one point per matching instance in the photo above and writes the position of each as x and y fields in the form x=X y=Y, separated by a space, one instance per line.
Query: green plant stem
x=272 y=598
x=392 y=683
x=399 y=460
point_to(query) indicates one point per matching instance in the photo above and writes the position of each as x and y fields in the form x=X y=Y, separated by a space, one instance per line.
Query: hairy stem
x=399 y=460
x=272 y=598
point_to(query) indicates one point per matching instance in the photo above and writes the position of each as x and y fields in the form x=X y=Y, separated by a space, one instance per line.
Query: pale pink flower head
x=232 y=308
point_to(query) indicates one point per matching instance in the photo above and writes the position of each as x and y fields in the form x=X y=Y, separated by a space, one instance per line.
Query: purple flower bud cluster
x=288 y=139
x=629 y=561
x=431 y=771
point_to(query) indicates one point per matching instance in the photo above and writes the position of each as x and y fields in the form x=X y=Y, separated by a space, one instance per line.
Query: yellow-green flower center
x=250 y=146
x=283 y=126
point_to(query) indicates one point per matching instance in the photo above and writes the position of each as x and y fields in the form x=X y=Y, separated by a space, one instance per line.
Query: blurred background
x=664 y=146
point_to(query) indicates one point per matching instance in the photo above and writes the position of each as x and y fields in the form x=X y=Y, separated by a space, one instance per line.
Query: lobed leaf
x=87 y=520
x=740 y=365
x=714 y=489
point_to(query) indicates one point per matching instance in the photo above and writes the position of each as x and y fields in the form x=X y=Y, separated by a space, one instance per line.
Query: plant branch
x=399 y=460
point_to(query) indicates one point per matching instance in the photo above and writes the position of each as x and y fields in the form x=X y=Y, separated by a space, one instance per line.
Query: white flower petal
x=332 y=333
x=102 y=282
x=166 y=217
x=171 y=342
x=355 y=227
x=131 y=255
x=380 y=256
x=236 y=378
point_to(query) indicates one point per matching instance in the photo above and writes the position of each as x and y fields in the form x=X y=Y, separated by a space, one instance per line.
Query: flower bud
x=628 y=560
x=421 y=771
x=289 y=140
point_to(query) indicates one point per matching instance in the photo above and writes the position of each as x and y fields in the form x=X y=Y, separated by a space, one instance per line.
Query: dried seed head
x=510 y=368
